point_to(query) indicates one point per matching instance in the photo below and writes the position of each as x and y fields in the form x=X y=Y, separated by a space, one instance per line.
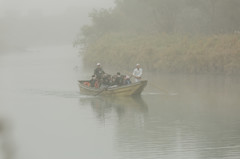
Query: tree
x=170 y=16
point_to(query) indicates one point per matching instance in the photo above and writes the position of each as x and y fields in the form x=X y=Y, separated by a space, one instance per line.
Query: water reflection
x=177 y=127
x=200 y=122
x=119 y=107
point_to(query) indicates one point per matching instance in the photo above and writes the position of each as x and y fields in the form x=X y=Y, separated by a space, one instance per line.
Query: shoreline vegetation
x=192 y=37
x=165 y=53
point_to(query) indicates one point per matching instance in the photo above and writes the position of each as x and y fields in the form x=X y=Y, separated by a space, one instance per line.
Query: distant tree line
x=186 y=33
x=169 y=16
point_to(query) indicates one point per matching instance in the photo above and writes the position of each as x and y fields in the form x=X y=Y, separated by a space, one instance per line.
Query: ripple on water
x=63 y=94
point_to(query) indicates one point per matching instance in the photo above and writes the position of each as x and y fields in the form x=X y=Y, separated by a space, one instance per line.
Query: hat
x=137 y=64
x=98 y=64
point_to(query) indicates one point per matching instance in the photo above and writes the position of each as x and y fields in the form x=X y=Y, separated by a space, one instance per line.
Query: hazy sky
x=49 y=6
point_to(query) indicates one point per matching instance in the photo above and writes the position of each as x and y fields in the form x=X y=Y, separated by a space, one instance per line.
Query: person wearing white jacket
x=137 y=73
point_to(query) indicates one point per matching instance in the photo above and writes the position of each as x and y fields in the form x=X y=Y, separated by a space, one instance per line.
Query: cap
x=98 y=64
x=138 y=64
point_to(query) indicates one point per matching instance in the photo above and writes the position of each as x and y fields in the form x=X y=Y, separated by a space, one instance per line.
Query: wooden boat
x=124 y=90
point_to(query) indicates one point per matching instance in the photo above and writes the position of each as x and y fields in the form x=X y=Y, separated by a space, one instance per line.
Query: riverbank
x=167 y=53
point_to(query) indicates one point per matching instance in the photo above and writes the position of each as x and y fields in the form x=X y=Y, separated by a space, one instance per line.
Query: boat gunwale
x=110 y=88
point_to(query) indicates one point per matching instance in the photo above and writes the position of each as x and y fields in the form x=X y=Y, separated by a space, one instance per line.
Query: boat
x=132 y=89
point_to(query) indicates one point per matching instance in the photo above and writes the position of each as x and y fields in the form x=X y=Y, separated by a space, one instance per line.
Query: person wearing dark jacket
x=99 y=71
x=119 y=79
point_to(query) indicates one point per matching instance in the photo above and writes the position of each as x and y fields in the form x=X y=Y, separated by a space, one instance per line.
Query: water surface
x=177 y=116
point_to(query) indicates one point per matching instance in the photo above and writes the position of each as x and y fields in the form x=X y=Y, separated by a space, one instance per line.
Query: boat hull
x=125 y=90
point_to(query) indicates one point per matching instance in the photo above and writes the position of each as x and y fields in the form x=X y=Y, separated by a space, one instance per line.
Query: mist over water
x=177 y=116
x=43 y=115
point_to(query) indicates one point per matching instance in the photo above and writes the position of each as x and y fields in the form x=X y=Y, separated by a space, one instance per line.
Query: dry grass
x=168 y=53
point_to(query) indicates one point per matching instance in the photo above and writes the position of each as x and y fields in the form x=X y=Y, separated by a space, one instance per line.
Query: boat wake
x=58 y=93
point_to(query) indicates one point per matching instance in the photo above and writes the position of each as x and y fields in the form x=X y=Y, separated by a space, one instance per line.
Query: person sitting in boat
x=113 y=79
x=99 y=72
x=119 y=79
x=137 y=73
x=107 y=80
x=93 y=81
x=110 y=80
x=127 y=80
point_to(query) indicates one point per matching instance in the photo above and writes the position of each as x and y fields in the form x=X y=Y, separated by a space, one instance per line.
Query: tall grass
x=218 y=54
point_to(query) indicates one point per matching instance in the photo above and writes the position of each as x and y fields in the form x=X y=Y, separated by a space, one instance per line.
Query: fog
x=25 y=23
x=189 y=51
x=49 y=7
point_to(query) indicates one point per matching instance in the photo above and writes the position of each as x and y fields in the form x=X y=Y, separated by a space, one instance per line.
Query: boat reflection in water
x=116 y=107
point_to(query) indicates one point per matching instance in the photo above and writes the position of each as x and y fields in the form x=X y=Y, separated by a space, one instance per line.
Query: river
x=44 y=116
